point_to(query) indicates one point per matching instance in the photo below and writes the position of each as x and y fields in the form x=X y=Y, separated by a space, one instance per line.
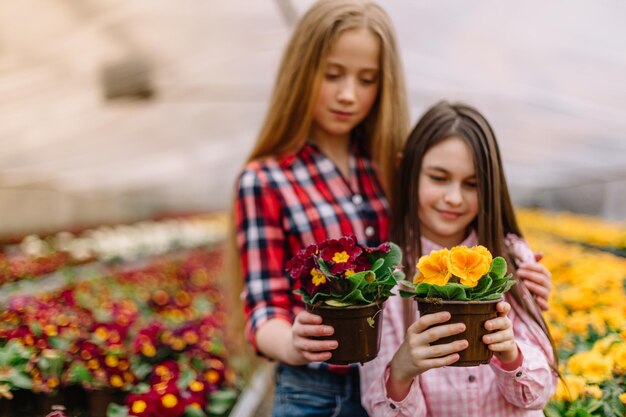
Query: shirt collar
x=429 y=246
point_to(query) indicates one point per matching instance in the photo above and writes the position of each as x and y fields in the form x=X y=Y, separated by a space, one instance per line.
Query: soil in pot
x=357 y=331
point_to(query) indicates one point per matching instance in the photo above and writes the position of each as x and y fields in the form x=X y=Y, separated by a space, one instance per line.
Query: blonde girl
x=451 y=190
x=321 y=169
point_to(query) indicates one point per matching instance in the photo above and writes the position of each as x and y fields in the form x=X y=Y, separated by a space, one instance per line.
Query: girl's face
x=349 y=86
x=448 y=194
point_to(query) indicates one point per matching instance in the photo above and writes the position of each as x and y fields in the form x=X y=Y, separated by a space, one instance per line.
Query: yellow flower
x=139 y=406
x=603 y=346
x=469 y=264
x=593 y=366
x=434 y=268
x=116 y=381
x=317 y=277
x=169 y=401
x=593 y=391
x=111 y=361
x=622 y=397
x=341 y=257
x=569 y=388
x=618 y=353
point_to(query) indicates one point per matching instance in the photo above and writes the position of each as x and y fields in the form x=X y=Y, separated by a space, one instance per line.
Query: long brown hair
x=496 y=216
x=299 y=78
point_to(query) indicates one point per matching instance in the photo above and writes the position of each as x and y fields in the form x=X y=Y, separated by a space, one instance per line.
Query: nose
x=347 y=90
x=453 y=195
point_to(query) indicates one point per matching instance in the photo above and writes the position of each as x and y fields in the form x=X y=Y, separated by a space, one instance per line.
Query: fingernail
x=328 y=330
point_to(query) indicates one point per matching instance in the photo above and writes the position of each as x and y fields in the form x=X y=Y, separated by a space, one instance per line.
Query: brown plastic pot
x=99 y=400
x=473 y=314
x=357 y=331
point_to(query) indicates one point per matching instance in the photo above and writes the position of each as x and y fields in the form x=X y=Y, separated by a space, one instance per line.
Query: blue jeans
x=305 y=392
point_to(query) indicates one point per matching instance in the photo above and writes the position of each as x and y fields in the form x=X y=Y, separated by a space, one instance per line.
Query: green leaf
x=498 y=266
x=193 y=412
x=391 y=259
x=482 y=287
x=379 y=262
x=336 y=303
x=354 y=297
x=20 y=380
x=407 y=284
x=186 y=376
x=552 y=409
x=222 y=401
x=406 y=294
x=116 y=410
x=447 y=292
x=358 y=279
x=324 y=268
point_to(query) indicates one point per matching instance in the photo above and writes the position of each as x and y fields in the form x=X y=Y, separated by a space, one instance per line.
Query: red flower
x=340 y=254
x=302 y=263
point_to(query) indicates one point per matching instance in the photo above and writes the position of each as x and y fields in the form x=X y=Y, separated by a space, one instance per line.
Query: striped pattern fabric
x=479 y=391
x=285 y=204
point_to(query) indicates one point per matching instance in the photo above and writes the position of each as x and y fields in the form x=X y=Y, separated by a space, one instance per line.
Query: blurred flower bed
x=587 y=317
x=35 y=256
x=577 y=228
x=153 y=336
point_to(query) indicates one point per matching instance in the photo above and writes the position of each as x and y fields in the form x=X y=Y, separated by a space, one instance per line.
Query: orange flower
x=433 y=269
x=469 y=264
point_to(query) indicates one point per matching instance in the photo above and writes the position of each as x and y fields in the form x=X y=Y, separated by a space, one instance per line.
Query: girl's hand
x=538 y=280
x=416 y=355
x=303 y=349
x=502 y=342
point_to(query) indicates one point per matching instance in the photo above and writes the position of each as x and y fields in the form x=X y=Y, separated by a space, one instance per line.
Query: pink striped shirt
x=485 y=390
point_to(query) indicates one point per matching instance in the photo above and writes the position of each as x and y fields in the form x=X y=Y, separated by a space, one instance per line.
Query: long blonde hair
x=299 y=78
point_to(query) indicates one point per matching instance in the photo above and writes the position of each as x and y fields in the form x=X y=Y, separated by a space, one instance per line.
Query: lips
x=342 y=115
x=450 y=215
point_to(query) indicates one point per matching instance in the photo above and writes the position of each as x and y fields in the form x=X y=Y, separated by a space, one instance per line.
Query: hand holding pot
x=416 y=355
x=502 y=340
x=303 y=348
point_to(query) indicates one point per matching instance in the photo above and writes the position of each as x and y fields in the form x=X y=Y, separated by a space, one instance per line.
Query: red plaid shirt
x=285 y=204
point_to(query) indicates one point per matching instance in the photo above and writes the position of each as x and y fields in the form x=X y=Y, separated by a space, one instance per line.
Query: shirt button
x=392 y=406
x=369 y=231
x=471 y=378
x=357 y=199
x=518 y=374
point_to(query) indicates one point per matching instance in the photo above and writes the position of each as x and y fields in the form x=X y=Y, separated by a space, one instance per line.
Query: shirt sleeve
x=374 y=374
x=261 y=244
x=533 y=383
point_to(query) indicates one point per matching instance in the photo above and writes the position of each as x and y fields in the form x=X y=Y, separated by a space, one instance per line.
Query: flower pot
x=473 y=314
x=99 y=400
x=357 y=330
x=46 y=402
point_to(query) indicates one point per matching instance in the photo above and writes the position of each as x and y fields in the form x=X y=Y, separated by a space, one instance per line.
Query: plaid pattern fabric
x=479 y=391
x=286 y=204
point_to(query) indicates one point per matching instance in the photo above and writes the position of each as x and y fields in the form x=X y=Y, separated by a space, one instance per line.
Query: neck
x=337 y=148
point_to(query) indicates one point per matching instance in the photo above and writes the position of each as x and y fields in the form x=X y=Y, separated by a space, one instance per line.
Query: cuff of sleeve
x=398 y=405
x=514 y=369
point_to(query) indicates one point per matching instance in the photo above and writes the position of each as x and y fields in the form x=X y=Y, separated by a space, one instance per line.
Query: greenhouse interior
x=126 y=124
